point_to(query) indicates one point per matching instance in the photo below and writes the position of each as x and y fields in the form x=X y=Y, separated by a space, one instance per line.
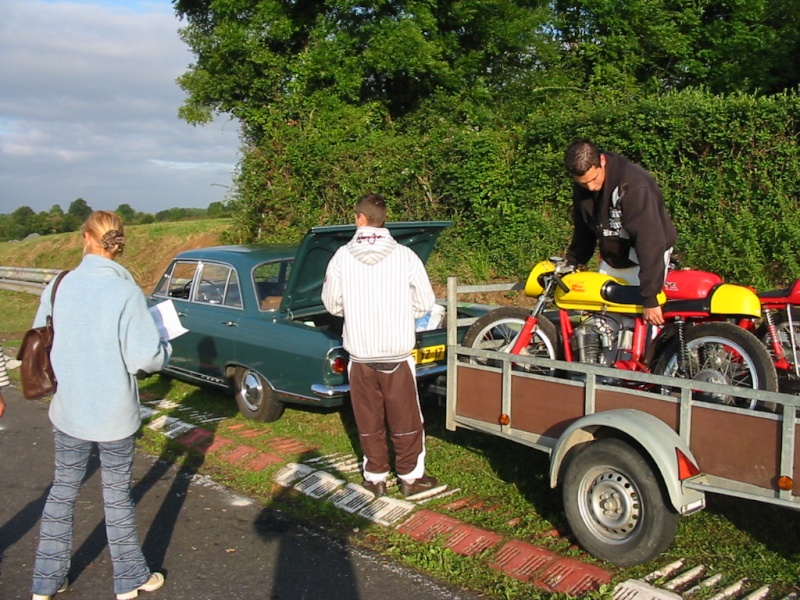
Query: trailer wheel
x=615 y=504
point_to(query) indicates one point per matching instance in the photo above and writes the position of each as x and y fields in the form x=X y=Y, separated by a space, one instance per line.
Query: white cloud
x=88 y=109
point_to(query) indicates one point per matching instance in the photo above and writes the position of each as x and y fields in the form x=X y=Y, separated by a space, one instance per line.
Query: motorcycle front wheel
x=497 y=330
x=722 y=353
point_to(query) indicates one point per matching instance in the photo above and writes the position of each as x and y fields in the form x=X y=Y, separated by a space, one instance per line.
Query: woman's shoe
x=156 y=581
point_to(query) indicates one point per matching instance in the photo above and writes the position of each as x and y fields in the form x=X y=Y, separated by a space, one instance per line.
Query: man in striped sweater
x=4 y=381
x=380 y=287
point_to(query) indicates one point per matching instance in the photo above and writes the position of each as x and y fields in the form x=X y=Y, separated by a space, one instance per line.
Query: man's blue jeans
x=55 y=540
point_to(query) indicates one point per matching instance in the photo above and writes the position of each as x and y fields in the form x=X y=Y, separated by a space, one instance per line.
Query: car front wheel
x=255 y=397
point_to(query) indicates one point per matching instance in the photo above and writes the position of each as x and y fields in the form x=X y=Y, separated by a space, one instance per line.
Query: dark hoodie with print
x=628 y=212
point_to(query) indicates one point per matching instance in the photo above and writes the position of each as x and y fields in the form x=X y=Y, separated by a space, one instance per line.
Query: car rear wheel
x=255 y=397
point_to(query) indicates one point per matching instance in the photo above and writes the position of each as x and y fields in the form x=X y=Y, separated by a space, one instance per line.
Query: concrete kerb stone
x=517 y=559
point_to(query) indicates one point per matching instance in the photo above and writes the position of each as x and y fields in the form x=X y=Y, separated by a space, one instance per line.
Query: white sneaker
x=12 y=363
x=156 y=581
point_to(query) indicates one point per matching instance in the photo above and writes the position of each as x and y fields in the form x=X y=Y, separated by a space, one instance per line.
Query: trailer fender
x=659 y=442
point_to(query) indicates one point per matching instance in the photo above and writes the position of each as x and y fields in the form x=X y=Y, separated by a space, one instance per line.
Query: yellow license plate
x=429 y=354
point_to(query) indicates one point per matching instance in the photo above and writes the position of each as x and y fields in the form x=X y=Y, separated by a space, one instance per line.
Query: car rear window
x=269 y=281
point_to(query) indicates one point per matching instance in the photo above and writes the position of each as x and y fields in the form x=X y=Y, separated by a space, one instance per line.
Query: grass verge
x=506 y=484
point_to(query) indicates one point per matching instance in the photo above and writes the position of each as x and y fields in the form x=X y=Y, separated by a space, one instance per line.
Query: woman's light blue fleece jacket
x=104 y=335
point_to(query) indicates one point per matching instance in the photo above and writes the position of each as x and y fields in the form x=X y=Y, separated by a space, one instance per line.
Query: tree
x=22 y=222
x=55 y=221
x=126 y=213
x=215 y=210
x=723 y=45
x=262 y=61
x=79 y=210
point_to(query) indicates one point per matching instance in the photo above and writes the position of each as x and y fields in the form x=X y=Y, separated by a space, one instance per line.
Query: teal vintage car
x=257 y=326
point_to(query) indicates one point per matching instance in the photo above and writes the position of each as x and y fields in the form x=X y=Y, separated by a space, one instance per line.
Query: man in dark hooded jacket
x=618 y=206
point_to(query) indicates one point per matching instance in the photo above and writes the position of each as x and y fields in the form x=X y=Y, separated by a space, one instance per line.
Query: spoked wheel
x=615 y=504
x=726 y=354
x=498 y=329
x=255 y=397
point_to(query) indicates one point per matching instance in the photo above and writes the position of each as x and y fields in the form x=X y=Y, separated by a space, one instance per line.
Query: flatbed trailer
x=628 y=461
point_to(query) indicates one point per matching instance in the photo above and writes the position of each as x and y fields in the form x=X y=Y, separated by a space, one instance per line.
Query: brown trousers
x=381 y=399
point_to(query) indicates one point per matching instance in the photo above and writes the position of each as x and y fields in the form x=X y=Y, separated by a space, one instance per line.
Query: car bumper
x=337 y=391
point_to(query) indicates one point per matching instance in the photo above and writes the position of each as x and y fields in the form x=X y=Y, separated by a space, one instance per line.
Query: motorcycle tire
x=497 y=330
x=722 y=353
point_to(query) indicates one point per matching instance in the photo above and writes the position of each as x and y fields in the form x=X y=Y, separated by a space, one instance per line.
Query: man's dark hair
x=581 y=156
x=373 y=207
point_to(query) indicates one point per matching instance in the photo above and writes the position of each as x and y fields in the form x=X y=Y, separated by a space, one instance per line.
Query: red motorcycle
x=599 y=321
x=778 y=328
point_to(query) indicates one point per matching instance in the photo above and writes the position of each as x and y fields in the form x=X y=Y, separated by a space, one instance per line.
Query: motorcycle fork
x=525 y=334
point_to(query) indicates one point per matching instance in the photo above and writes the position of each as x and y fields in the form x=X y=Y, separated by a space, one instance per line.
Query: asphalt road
x=210 y=542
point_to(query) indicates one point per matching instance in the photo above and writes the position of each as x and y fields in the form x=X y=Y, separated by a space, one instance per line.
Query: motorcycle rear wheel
x=722 y=353
x=497 y=330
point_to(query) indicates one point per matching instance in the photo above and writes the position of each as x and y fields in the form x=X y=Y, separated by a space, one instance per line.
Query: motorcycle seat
x=621 y=294
x=784 y=293
x=697 y=306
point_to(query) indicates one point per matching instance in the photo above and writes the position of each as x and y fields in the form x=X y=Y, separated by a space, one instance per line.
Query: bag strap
x=59 y=277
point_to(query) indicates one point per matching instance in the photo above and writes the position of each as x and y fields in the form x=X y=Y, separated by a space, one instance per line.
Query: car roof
x=311 y=256
x=242 y=254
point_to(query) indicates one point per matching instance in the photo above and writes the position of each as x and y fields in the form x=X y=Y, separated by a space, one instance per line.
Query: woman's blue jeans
x=55 y=540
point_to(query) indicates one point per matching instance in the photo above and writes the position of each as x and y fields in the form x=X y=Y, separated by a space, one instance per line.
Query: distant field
x=148 y=249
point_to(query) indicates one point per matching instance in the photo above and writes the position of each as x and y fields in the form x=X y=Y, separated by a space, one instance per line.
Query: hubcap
x=612 y=504
x=252 y=392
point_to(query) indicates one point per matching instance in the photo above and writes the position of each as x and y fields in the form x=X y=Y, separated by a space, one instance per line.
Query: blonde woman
x=104 y=336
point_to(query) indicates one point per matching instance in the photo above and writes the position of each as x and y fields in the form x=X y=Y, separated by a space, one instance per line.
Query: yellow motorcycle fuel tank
x=735 y=300
x=585 y=290
x=585 y=293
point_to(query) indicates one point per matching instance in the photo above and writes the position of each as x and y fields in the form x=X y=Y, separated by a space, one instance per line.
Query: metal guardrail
x=26 y=279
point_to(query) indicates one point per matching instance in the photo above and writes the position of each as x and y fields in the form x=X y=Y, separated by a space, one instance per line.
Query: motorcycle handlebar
x=560 y=283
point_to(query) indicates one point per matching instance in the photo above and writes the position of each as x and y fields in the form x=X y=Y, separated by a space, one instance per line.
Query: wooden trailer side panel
x=740 y=447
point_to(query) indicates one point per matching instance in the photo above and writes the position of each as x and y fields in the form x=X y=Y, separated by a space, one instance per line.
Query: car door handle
x=229 y=323
x=181 y=314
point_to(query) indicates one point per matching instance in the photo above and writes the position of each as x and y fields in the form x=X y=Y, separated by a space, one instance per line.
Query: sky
x=89 y=109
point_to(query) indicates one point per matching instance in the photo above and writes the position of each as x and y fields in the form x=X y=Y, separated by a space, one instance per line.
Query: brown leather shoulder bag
x=36 y=372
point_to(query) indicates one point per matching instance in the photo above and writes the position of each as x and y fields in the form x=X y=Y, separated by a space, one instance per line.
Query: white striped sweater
x=380 y=287
x=3 y=371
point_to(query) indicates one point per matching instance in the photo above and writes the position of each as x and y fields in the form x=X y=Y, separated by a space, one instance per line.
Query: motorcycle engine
x=602 y=339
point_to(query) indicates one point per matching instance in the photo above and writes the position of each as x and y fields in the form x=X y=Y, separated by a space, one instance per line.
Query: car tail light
x=339 y=365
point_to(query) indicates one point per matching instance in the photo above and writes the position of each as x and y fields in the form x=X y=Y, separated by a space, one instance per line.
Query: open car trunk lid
x=304 y=288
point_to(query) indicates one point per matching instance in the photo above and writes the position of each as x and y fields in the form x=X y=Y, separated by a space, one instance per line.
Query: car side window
x=233 y=295
x=212 y=284
x=269 y=281
x=177 y=281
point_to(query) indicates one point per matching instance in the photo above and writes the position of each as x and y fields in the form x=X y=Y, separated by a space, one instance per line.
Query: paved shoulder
x=210 y=542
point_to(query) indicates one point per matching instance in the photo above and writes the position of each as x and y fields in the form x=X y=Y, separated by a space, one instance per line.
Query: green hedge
x=728 y=166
